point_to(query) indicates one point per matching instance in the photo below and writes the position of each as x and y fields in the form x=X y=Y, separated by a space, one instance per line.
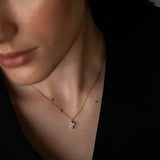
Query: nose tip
x=7 y=32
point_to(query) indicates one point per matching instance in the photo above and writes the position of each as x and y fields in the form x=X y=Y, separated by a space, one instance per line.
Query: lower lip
x=19 y=60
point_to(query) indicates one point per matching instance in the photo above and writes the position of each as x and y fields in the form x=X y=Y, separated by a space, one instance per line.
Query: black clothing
x=129 y=119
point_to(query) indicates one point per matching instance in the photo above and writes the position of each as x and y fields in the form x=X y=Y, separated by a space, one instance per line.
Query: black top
x=129 y=120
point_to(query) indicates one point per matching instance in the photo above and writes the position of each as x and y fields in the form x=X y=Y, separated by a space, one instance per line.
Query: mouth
x=17 y=59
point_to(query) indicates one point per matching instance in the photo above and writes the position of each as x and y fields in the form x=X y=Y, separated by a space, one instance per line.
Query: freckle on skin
x=96 y=101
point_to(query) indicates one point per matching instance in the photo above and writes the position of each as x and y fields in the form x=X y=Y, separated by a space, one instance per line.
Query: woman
x=67 y=99
x=53 y=48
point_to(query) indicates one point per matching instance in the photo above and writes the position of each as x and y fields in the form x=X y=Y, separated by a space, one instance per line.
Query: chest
x=48 y=133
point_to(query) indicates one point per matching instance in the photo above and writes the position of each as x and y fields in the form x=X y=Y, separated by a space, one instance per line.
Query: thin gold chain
x=85 y=100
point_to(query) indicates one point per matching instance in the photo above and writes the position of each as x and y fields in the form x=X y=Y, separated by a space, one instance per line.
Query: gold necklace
x=72 y=123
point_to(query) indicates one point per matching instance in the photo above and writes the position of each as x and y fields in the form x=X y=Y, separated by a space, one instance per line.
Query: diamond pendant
x=72 y=124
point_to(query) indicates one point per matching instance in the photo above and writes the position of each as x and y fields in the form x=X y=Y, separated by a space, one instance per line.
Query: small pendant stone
x=72 y=125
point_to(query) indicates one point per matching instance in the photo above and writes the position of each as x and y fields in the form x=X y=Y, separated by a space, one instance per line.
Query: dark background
x=132 y=29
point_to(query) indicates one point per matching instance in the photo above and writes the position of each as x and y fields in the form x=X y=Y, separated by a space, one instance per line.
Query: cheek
x=49 y=20
x=59 y=17
x=47 y=17
x=54 y=27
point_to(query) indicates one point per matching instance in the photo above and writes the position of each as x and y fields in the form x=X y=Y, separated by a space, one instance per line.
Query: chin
x=26 y=77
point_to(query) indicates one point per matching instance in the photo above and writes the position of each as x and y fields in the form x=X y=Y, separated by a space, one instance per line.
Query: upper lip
x=14 y=54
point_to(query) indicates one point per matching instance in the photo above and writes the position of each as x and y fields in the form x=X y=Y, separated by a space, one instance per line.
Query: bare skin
x=70 y=53
x=47 y=130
